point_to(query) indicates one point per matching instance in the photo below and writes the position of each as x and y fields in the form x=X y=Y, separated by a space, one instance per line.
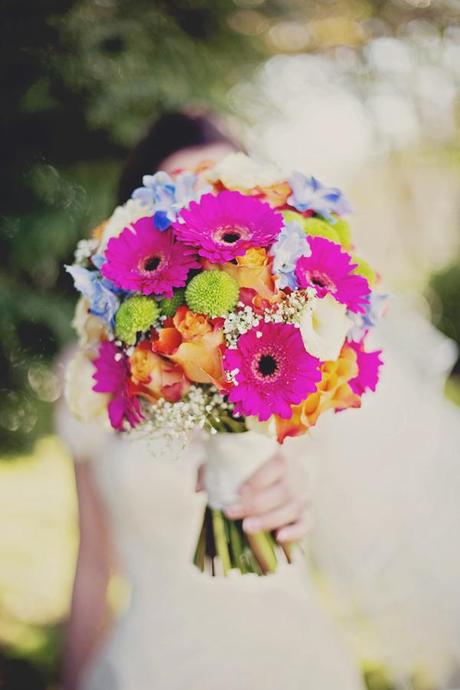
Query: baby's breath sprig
x=84 y=250
x=239 y=322
x=202 y=408
x=289 y=310
x=244 y=319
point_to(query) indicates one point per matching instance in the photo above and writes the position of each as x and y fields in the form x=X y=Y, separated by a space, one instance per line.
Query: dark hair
x=170 y=133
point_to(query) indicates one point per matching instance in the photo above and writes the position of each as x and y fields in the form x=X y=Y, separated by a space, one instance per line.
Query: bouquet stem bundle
x=223 y=546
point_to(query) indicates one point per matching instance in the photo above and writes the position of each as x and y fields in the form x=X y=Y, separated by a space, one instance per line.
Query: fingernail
x=234 y=511
x=251 y=525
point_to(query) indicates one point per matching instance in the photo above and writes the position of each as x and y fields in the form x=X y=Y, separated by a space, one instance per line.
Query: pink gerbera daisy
x=225 y=226
x=369 y=364
x=328 y=269
x=142 y=259
x=272 y=371
x=112 y=376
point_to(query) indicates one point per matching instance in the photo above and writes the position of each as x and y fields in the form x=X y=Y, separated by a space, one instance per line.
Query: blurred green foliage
x=81 y=79
x=160 y=57
x=445 y=285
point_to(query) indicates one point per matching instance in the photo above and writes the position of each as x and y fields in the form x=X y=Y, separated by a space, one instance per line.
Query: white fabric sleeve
x=84 y=440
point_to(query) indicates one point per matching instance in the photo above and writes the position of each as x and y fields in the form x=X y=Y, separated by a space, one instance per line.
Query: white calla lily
x=324 y=325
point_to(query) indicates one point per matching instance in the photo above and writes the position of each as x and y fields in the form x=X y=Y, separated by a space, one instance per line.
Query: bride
x=140 y=514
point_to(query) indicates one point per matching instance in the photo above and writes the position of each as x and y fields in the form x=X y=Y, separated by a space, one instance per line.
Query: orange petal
x=289 y=427
x=156 y=377
x=276 y=194
x=98 y=231
x=191 y=326
x=257 y=278
x=345 y=398
x=202 y=360
x=168 y=341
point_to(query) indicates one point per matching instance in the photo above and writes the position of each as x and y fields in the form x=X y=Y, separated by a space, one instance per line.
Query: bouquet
x=228 y=299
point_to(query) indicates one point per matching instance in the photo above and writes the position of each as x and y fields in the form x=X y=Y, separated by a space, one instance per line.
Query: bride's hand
x=275 y=498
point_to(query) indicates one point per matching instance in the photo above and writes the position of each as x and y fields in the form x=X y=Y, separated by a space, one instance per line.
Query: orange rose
x=194 y=344
x=252 y=270
x=276 y=194
x=168 y=341
x=202 y=359
x=255 y=257
x=155 y=376
x=191 y=326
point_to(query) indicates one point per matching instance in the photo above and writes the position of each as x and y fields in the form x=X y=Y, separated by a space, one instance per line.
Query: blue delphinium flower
x=308 y=194
x=290 y=245
x=97 y=290
x=98 y=260
x=165 y=196
x=364 y=322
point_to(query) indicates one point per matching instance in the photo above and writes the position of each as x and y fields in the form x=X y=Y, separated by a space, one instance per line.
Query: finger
x=269 y=473
x=295 y=532
x=200 y=483
x=262 y=501
x=275 y=519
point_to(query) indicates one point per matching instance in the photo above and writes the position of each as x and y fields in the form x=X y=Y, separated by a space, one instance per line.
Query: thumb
x=200 y=485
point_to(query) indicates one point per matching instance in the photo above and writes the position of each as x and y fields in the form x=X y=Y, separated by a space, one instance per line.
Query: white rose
x=83 y=402
x=324 y=326
x=89 y=328
x=121 y=218
x=238 y=171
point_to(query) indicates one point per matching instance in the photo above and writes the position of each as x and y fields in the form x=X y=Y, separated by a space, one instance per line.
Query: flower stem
x=237 y=546
x=200 y=551
x=287 y=548
x=263 y=550
x=220 y=540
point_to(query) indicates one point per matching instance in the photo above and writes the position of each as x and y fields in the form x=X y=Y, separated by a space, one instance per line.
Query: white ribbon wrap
x=230 y=460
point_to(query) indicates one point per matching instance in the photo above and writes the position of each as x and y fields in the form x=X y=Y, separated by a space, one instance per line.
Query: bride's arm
x=89 y=612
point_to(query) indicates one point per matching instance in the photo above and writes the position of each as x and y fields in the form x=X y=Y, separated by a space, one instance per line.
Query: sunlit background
x=365 y=95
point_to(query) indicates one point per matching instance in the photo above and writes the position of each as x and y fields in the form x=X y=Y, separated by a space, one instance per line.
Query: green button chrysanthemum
x=170 y=306
x=363 y=269
x=135 y=315
x=338 y=232
x=342 y=229
x=319 y=228
x=214 y=293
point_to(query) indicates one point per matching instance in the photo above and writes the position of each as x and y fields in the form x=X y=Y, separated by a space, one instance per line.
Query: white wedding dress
x=386 y=502
x=385 y=542
x=184 y=630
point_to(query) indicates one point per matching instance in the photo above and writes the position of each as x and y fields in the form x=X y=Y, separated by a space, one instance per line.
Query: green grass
x=38 y=540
